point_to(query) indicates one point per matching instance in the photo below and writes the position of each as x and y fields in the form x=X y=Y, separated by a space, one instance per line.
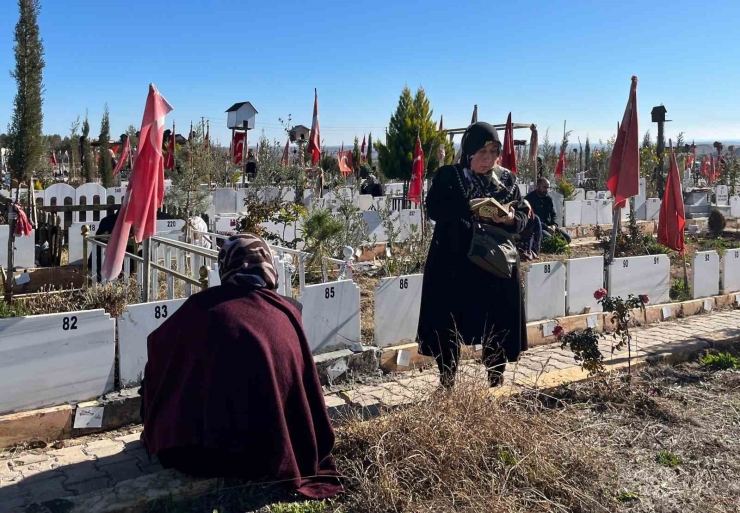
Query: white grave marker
x=592 y=321
x=666 y=312
x=731 y=271
x=89 y=417
x=723 y=195
x=224 y=201
x=548 y=328
x=589 y=213
x=573 y=213
x=403 y=358
x=590 y=195
x=397 y=304
x=705 y=275
x=331 y=315
x=585 y=276
x=707 y=305
x=46 y=360
x=75 y=241
x=641 y=275
x=557 y=201
x=170 y=225
x=652 y=209
x=735 y=206
x=545 y=291
x=604 y=211
x=25 y=249
x=579 y=194
x=134 y=326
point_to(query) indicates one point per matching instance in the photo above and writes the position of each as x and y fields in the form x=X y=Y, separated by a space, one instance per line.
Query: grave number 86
x=69 y=323
x=404 y=283
x=329 y=292
x=160 y=312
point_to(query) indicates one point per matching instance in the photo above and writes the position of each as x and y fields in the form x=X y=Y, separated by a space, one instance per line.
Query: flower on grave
x=644 y=299
x=600 y=294
x=558 y=331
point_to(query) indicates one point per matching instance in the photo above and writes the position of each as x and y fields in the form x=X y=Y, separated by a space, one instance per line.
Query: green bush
x=720 y=361
x=718 y=245
x=555 y=245
x=12 y=310
x=716 y=223
x=680 y=291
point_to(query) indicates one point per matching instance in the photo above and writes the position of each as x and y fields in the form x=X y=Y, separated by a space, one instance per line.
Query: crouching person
x=230 y=387
x=544 y=208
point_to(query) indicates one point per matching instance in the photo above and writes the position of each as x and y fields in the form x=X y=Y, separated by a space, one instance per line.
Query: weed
x=12 y=310
x=626 y=496
x=668 y=459
x=299 y=507
x=555 y=245
x=680 y=291
x=720 y=361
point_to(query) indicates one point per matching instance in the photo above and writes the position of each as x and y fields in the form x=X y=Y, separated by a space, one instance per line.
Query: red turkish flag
x=417 y=174
x=362 y=150
x=705 y=167
x=672 y=218
x=508 y=155
x=124 y=157
x=53 y=159
x=692 y=157
x=145 y=192
x=286 y=153
x=624 y=165
x=237 y=146
x=561 y=163
x=169 y=159
x=314 y=139
x=712 y=174
x=346 y=163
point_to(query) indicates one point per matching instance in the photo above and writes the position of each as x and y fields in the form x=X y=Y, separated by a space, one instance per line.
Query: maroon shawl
x=231 y=374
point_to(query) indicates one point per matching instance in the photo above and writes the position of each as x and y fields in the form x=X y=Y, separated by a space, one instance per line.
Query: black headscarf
x=246 y=259
x=476 y=137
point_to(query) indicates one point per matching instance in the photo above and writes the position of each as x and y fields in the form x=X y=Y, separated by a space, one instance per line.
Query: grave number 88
x=160 y=312
x=329 y=292
x=69 y=323
x=547 y=268
x=404 y=283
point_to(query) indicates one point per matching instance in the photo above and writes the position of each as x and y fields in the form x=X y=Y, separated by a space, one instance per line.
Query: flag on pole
x=712 y=174
x=624 y=165
x=146 y=188
x=362 y=150
x=345 y=162
x=314 y=139
x=169 y=159
x=719 y=168
x=417 y=174
x=508 y=155
x=53 y=159
x=705 y=167
x=692 y=157
x=561 y=163
x=124 y=156
x=672 y=218
x=237 y=144
x=286 y=154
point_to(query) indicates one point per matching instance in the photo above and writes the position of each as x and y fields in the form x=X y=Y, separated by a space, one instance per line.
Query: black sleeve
x=445 y=201
x=552 y=216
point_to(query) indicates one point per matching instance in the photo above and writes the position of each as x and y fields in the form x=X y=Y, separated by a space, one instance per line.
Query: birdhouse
x=241 y=116
x=299 y=133
x=658 y=113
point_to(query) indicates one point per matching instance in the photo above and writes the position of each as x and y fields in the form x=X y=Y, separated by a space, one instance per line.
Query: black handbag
x=493 y=250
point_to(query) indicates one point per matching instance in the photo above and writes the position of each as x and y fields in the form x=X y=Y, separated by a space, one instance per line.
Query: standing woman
x=462 y=303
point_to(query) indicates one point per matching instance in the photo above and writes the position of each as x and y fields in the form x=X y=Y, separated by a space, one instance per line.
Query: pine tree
x=356 y=156
x=105 y=165
x=370 y=150
x=587 y=157
x=26 y=143
x=88 y=164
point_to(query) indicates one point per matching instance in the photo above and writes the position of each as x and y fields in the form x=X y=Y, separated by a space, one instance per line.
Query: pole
x=661 y=147
x=9 y=271
x=146 y=271
x=615 y=227
x=244 y=158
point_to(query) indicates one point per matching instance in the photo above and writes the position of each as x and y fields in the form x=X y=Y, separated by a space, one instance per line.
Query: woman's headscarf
x=246 y=259
x=476 y=137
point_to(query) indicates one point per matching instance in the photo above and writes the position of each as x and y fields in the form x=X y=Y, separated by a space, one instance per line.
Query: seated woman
x=230 y=387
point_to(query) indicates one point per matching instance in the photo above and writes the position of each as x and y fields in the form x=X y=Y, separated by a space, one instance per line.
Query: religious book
x=486 y=208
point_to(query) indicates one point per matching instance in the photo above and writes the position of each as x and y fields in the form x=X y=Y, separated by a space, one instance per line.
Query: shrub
x=680 y=291
x=555 y=245
x=720 y=361
x=668 y=459
x=566 y=189
x=11 y=310
x=716 y=223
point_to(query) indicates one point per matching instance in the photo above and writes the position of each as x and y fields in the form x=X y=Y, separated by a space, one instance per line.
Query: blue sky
x=544 y=61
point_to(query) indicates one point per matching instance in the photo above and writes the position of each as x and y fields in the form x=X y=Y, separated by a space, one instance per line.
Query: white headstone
x=224 y=201
x=134 y=326
x=409 y=223
x=47 y=360
x=723 y=195
x=545 y=291
x=58 y=192
x=118 y=193
x=522 y=188
x=25 y=249
x=75 y=242
x=397 y=303
x=363 y=201
x=394 y=189
x=585 y=276
x=590 y=195
x=579 y=194
x=91 y=192
x=331 y=315
x=641 y=197
x=379 y=203
x=604 y=211
x=170 y=225
x=735 y=206
x=705 y=274
x=374 y=226
x=226 y=225
x=641 y=275
x=557 y=201
x=731 y=271
x=652 y=209
x=573 y=213
x=589 y=212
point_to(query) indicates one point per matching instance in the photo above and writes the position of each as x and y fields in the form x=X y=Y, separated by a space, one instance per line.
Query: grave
x=225 y=225
x=134 y=326
x=639 y=200
x=589 y=213
x=604 y=211
x=705 y=274
x=573 y=213
x=731 y=271
x=579 y=194
x=397 y=304
x=89 y=194
x=723 y=195
x=641 y=275
x=117 y=193
x=363 y=201
x=25 y=249
x=408 y=218
x=57 y=194
x=545 y=291
x=224 y=201
x=47 y=360
x=652 y=209
x=584 y=277
x=331 y=315
x=374 y=226
x=170 y=225
x=590 y=195
x=557 y=202
x=75 y=242
x=735 y=207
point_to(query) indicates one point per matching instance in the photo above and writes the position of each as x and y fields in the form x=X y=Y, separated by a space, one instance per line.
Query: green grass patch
x=719 y=361
x=668 y=459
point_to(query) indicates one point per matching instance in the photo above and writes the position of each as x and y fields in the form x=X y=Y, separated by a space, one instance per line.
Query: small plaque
x=592 y=321
x=478 y=347
x=403 y=358
x=666 y=312
x=89 y=417
x=707 y=305
x=548 y=328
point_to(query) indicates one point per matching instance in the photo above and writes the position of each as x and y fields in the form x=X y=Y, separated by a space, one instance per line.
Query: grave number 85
x=547 y=268
x=329 y=292
x=404 y=283
x=160 y=312
x=69 y=323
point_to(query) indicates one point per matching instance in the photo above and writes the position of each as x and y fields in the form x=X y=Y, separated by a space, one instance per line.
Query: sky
x=545 y=61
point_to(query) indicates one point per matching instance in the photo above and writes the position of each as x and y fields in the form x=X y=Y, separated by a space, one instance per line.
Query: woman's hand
x=508 y=219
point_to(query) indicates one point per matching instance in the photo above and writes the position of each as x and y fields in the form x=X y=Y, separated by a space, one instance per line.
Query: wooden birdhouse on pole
x=240 y=116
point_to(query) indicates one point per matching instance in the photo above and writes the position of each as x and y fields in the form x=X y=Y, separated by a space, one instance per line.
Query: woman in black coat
x=462 y=303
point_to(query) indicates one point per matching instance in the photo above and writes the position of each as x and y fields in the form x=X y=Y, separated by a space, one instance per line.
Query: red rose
x=558 y=331
x=644 y=299
x=600 y=294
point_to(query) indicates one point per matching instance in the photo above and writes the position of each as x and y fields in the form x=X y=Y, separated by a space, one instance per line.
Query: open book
x=486 y=208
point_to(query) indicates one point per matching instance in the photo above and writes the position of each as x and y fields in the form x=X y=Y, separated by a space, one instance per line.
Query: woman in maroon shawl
x=231 y=389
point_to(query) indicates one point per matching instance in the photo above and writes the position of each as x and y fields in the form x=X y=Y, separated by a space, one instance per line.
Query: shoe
x=495 y=379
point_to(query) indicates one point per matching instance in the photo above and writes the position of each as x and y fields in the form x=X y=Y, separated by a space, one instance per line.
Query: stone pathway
x=99 y=462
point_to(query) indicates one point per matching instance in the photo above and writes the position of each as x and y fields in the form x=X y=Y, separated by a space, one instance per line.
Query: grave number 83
x=160 y=312
x=329 y=292
x=69 y=323
x=547 y=268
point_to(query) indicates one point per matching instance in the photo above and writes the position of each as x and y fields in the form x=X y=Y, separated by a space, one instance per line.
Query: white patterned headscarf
x=246 y=259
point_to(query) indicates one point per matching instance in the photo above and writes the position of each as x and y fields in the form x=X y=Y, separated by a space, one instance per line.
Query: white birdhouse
x=241 y=116
x=299 y=133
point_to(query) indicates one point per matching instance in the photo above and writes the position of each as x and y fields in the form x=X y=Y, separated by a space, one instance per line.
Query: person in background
x=461 y=303
x=251 y=165
x=230 y=388
x=544 y=208
x=372 y=187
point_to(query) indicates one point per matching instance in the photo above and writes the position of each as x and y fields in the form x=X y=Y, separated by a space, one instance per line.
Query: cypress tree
x=356 y=156
x=587 y=150
x=105 y=166
x=370 y=150
x=26 y=142
x=88 y=165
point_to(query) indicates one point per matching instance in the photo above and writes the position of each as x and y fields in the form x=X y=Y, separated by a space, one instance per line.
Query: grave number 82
x=404 y=283
x=160 y=312
x=69 y=323
x=329 y=292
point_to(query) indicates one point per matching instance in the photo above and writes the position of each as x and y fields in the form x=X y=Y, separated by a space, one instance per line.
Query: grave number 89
x=69 y=323
x=329 y=292
x=404 y=283
x=706 y=258
x=160 y=312
x=656 y=260
x=547 y=268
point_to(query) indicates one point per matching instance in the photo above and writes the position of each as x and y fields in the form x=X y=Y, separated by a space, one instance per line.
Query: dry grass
x=111 y=297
